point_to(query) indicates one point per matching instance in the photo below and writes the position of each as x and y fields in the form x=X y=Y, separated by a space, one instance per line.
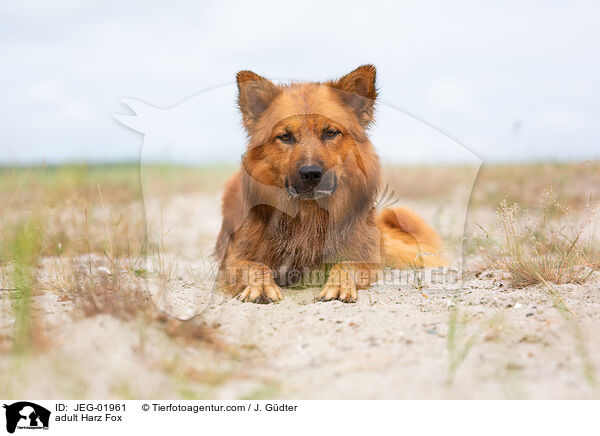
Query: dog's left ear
x=358 y=90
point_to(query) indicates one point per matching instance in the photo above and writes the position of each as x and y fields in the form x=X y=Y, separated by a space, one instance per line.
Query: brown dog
x=304 y=199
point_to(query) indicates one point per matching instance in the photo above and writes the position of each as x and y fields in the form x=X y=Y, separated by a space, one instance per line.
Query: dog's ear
x=358 y=90
x=255 y=94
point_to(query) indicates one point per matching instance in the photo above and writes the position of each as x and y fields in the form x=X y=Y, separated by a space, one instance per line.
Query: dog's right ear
x=255 y=94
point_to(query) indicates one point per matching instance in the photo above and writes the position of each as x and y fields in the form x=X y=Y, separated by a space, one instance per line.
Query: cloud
x=469 y=68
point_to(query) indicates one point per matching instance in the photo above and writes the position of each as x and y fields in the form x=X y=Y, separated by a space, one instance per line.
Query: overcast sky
x=508 y=80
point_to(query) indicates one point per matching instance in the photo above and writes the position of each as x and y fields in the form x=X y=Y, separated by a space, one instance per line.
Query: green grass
x=458 y=342
x=572 y=324
x=121 y=183
x=20 y=253
x=53 y=185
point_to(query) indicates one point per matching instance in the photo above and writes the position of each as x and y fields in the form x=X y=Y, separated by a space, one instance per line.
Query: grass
x=21 y=252
x=96 y=290
x=164 y=263
x=416 y=276
x=547 y=245
x=78 y=231
x=572 y=324
x=572 y=182
x=458 y=342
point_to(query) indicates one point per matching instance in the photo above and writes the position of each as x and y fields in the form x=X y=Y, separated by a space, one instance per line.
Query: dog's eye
x=286 y=138
x=330 y=133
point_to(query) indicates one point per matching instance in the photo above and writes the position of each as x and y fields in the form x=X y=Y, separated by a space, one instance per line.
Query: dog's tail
x=408 y=241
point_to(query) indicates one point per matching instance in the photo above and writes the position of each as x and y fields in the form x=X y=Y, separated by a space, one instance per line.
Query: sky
x=499 y=81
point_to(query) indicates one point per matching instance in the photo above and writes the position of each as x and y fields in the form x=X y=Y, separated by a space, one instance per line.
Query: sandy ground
x=393 y=343
x=473 y=339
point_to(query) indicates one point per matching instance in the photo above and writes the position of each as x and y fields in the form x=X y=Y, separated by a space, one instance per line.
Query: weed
x=571 y=321
x=21 y=251
x=417 y=273
x=458 y=343
x=542 y=247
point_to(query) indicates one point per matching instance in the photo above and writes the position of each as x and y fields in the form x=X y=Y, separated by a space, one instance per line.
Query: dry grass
x=550 y=244
x=96 y=289
x=79 y=231
x=573 y=183
x=164 y=180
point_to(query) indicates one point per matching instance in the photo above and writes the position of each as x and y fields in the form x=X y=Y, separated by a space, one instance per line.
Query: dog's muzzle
x=310 y=183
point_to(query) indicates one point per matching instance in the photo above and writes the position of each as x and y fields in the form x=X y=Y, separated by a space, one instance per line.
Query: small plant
x=100 y=292
x=21 y=249
x=416 y=269
x=162 y=263
x=550 y=246
x=458 y=343
x=571 y=322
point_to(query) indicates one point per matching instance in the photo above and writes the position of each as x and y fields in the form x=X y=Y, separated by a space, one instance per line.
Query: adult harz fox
x=304 y=200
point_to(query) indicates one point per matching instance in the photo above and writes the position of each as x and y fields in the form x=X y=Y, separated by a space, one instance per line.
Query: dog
x=304 y=198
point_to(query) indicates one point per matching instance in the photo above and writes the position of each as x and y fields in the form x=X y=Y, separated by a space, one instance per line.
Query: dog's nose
x=310 y=173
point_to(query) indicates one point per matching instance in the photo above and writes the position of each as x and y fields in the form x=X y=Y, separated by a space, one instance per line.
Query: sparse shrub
x=96 y=288
x=550 y=246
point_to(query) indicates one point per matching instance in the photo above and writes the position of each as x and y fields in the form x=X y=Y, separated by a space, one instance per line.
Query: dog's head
x=310 y=139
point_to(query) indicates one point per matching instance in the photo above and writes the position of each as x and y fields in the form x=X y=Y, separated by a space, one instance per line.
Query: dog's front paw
x=261 y=293
x=345 y=292
x=340 y=285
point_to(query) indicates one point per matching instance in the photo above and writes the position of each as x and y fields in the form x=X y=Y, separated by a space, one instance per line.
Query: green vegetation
x=21 y=250
x=458 y=342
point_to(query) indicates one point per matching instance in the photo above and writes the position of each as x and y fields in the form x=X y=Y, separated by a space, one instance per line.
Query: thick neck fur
x=311 y=237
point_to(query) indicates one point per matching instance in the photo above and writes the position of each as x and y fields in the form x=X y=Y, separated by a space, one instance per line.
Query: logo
x=26 y=415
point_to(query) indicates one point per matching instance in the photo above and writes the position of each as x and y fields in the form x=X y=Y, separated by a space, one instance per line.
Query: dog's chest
x=300 y=242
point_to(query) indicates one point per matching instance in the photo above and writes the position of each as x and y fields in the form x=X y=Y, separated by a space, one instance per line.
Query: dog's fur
x=271 y=229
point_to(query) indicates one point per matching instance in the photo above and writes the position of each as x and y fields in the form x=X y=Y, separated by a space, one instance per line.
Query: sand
x=470 y=338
